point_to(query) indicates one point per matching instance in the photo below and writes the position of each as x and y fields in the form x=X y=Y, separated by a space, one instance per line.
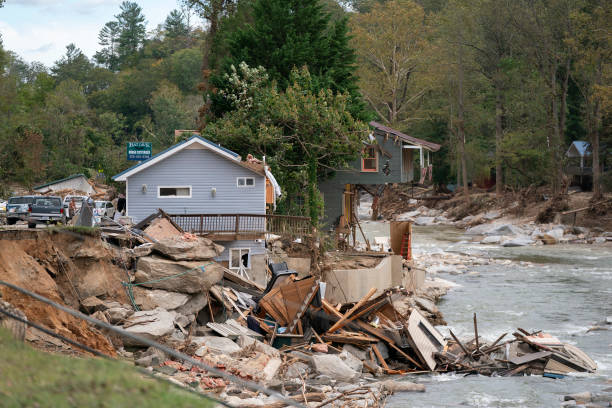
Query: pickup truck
x=45 y=210
x=17 y=208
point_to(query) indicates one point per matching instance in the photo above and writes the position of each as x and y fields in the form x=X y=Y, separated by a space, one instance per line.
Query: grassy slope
x=31 y=378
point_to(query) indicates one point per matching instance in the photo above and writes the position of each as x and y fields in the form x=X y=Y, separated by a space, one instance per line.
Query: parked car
x=103 y=209
x=46 y=209
x=78 y=201
x=17 y=208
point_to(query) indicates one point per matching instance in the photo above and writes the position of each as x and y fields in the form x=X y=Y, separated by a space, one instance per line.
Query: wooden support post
x=459 y=343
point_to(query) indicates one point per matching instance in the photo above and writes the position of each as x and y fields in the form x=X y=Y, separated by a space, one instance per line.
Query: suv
x=103 y=209
x=46 y=209
x=78 y=200
x=17 y=208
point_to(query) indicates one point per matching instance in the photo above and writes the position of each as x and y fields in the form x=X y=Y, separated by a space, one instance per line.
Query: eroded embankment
x=64 y=267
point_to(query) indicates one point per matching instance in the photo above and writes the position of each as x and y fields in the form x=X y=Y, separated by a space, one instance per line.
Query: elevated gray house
x=208 y=190
x=388 y=157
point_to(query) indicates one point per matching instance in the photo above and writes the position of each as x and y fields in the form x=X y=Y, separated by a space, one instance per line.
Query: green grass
x=32 y=378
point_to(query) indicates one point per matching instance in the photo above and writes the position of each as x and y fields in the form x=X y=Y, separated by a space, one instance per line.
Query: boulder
x=356 y=351
x=393 y=386
x=118 y=314
x=151 y=357
x=556 y=233
x=491 y=215
x=271 y=368
x=351 y=361
x=333 y=366
x=179 y=248
x=186 y=277
x=427 y=305
x=491 y=239
x=518 y=241
x=216 y=345
x=424 y=220
x=246 y=341
x=297 y=370
x=151 y=324
x=149 y=299
x=504 y=229
x=548 y=239
x=193 y=306
x=93 y=304
x=142 y=250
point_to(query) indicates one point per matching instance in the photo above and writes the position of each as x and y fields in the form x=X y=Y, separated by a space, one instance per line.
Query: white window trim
x=245 y=184
x=241 y=253
x=173 y=197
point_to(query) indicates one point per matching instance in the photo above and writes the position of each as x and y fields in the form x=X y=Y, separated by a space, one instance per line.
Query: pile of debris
x=527 y=353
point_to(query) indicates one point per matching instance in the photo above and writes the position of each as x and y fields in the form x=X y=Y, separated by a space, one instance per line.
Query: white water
x=563 y=290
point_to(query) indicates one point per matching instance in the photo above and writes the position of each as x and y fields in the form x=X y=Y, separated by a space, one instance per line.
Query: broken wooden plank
x=340 y=323
x=427 y=340
x=380 y=358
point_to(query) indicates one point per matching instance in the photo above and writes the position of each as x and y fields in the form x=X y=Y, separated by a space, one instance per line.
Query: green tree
x=175 y=26
x=73 y=65
x=132 y=31
x=286 y=34
x=108 y=38
x=306 y=134
x=391 y=43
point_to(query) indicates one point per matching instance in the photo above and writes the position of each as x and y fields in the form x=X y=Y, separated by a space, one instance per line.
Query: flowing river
x=562 y=289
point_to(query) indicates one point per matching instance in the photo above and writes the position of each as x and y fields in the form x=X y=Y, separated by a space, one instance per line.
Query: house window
x=174 y=192
x=240 y=257
x=369 y=160
x=245 y=181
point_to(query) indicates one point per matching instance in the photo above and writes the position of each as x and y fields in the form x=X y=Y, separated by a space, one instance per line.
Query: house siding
x=332 y=189
x=202 y=170
x=77 y=183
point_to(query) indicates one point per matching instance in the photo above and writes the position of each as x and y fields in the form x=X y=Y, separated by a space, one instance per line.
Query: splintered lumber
x=286 y=303
x=349 y=338
x=343 y=320
x=476 y=333
x=492 y=346
x=467 y=353
x=406 y=356
x=380 y=358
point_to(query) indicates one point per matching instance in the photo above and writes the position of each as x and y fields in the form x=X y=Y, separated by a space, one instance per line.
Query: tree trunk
x=313 y=204
x=554 y=140
x=562 y=118
x=461 y=127
x=499 y=183
x=213 y=19
x=595 y=152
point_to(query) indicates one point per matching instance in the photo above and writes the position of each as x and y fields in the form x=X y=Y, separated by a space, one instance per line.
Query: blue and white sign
x=139 y=150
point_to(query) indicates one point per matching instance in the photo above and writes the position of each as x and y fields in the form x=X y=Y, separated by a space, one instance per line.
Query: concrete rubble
x=290 y=336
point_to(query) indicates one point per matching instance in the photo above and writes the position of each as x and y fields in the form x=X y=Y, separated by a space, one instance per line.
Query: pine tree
x=175 y=25
x=109 y=39
x=132 y=30
x=288 y=34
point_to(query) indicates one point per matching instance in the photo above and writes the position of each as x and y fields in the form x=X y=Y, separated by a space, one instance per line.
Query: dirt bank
x=65 y=267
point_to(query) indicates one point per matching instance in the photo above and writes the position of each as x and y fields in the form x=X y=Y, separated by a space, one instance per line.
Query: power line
x=247 y=384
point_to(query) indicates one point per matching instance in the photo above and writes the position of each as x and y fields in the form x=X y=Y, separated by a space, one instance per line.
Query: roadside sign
x=139 y=150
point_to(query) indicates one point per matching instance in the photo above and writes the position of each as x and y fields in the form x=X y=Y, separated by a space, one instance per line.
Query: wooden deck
x=229 y=227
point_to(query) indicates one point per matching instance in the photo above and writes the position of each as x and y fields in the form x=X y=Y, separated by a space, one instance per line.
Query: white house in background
x=76 y=182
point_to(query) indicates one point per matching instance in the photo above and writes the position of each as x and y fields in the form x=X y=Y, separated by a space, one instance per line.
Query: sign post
x=139 y=150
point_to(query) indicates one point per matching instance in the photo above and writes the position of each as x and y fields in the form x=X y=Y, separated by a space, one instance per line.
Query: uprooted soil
x=525 y=205
x=65 y=267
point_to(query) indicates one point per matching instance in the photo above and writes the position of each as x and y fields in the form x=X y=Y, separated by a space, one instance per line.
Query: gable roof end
x=215 y=148
x=60 y=180
x=434 y=147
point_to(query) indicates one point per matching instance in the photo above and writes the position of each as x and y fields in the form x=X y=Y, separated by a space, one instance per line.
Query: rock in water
x=151 y=324
x=181 y=249
x=332 y=366
x=185 y=277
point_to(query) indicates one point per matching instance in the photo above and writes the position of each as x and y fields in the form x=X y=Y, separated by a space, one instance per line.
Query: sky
x=40 y=30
